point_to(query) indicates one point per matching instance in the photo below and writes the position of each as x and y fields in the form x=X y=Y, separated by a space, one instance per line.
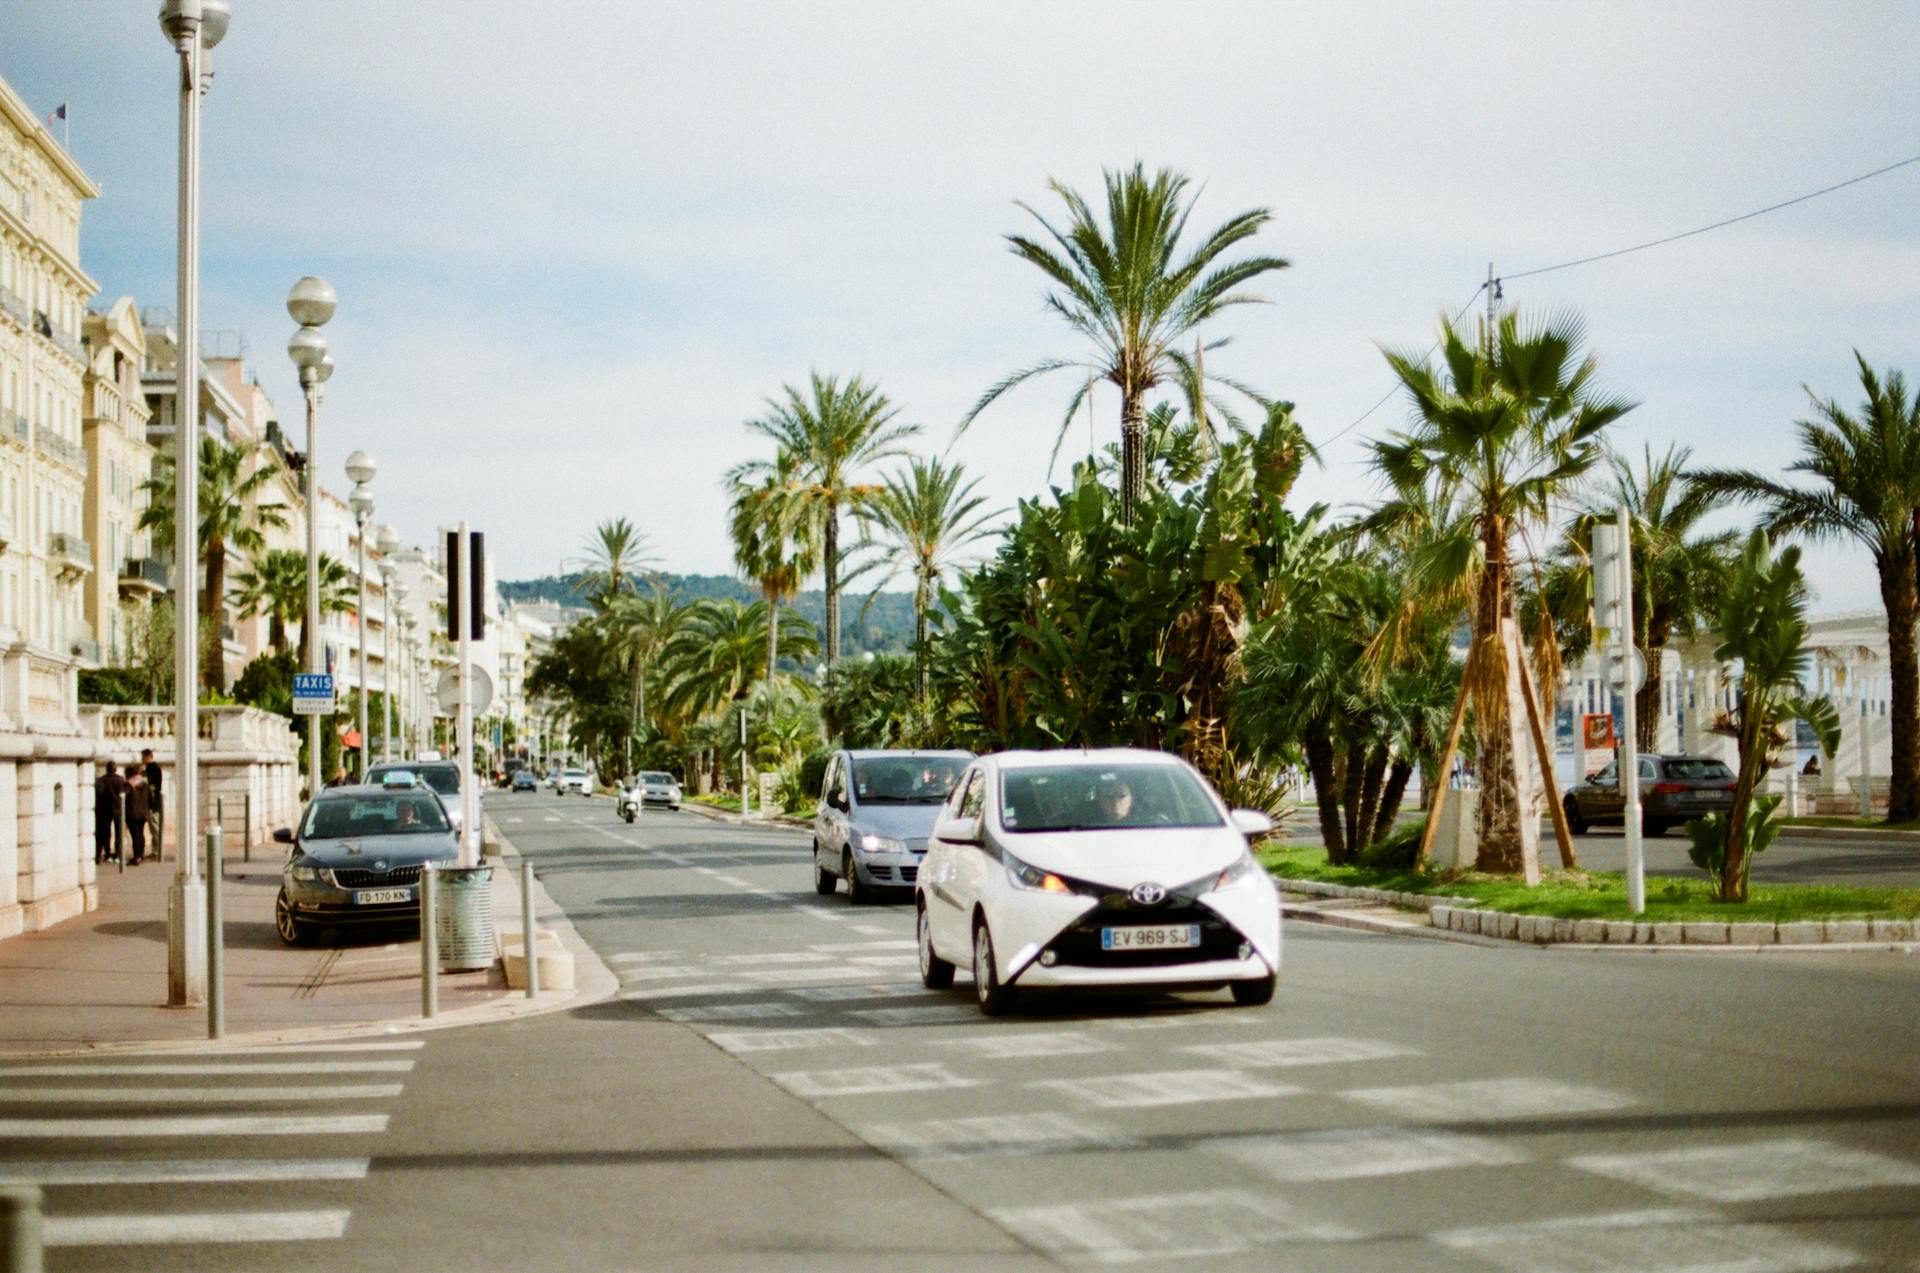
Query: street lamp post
x=311 y=303
x=361 y=468
x=193 y=27
x=386 y=541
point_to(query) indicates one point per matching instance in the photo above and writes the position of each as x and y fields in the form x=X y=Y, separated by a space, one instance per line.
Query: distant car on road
x=573 y=780
x=877 y=809
x=523 y=780
x=1673 y=789
x=658 y=788
x=1115 y=868
x=357 y=856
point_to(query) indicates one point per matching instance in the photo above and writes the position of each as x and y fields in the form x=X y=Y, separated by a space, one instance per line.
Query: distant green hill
x=888 y=626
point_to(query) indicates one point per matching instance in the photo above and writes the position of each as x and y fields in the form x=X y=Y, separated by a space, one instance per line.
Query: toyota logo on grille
x=1148 y=894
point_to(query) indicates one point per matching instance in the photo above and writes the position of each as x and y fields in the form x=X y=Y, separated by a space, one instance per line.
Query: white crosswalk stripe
x=263 y=1200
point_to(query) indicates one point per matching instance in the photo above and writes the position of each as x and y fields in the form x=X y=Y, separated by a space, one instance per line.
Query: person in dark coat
x=156 y=820
x=106 y=793
x=139 y=805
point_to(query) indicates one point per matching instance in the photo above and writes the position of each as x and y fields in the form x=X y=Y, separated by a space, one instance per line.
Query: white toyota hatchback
x=1095 y=868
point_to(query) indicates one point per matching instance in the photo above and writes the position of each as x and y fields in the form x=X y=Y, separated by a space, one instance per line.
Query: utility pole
x=1613 y=615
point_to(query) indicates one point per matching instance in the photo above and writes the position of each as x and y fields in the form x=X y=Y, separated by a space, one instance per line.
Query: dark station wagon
x=1673 y=790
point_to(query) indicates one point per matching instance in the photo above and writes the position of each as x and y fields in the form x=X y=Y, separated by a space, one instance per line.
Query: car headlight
x=311 y=874
x=881 y=844
x=1244 y=868
x=1022 y=876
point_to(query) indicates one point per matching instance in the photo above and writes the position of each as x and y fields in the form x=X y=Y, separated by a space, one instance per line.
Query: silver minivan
x=877 y=810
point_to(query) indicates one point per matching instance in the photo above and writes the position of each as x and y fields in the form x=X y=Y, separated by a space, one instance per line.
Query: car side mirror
x=957 y=830
x=1251 y=822
x=283 y=835
x=838 y=802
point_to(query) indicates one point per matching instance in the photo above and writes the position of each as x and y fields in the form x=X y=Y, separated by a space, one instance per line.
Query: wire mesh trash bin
x=463 y=922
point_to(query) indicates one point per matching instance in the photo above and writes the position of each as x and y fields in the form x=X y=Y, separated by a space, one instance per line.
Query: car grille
x=1079 y=946
x=894 y=874
x=377 y=879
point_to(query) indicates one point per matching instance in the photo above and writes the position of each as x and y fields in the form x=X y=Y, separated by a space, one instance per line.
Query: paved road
x=774 y=1090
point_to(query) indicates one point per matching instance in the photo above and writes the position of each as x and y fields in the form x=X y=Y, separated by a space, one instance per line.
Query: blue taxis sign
x=312 y=693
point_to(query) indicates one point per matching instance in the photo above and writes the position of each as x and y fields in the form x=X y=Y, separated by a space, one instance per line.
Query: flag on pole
x=60 y=113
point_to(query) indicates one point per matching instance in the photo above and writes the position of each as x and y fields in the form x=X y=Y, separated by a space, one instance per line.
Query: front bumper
x=1207 y=972
x=888 y=870
x=1239 y=937
x=325 y=905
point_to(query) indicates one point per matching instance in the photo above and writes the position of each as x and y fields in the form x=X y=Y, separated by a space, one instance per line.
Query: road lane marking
x=681 y=992
x=839 y=994
x=732 y=1012
x=1004 y=1047
x=820 y=912
x=114 y=1069
x=995 y=1135
x=205 y=1125
x=1127 y=1230
x=1290 y=1052
x=785 y=1040
x=647 y=972
x=290 y=1049
x=641 y=956
x=866 y=1080
x=1356 y=1153
x=240 y=1095
x=1178 y=1020
x=885 y=961
x=775 y=958
x=196 y=1229
x=1637 y=1241
x=1479 y=1099
x=734 y=880
x=1168 y=1087
x=1782 y=1168
x=920 y=1014
x=873 y=930
x=801 y=976
x=849 y=947
x=173 y=1171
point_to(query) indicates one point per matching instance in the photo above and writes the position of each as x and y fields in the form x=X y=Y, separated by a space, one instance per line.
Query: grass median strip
x=1603 y=894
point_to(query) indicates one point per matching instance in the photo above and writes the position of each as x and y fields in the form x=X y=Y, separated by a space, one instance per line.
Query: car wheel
x=824 y=880
x=1252 y=994
x=994 y=998
x=935 y=972
x=1574 y=820
x=293 y=931
x=858 y=894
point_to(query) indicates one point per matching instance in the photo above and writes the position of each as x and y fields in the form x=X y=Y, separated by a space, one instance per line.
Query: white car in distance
x=1113 y=868
x=573 y=780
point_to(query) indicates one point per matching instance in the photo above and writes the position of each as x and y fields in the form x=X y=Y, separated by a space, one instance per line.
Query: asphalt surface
x=773 y=1089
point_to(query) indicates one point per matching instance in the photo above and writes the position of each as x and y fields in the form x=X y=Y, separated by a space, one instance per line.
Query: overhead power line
x=1637 y=247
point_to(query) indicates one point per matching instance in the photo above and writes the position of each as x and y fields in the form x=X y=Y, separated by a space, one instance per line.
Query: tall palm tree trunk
x=773 y=633
x=1133 y=456
x=1646 y=704
x=920 y=591
x=830 y=560
x=1902 y=601
x=215 y=673
x=1509 y=829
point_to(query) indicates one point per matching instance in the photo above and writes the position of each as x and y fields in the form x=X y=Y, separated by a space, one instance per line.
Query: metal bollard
x=528 y=950
x=120 y=831
x=246 y=827
x=429 y=946
x=20 y=1246
x=216 y=938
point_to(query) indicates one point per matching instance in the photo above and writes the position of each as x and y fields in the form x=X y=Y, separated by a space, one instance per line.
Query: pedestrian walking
x=139 y=806
x=107 y=789
x=156 y=817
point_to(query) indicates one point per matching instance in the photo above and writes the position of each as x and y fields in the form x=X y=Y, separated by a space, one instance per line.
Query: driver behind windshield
x=1112 y=802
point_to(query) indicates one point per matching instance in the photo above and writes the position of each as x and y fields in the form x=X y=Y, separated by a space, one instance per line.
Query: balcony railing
x=69 y=551
x=6 y=530
x=61 y=449
x=14 y=425
x=13 y=303
x=86 y=649
x=143 y=573
x=68 y=344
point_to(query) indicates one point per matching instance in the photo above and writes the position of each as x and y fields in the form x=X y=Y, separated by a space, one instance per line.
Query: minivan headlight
x=881 y=844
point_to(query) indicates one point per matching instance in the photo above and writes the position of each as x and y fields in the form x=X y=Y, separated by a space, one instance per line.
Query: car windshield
x=576 y=773
x=388 y=813
x=905 y=779
x=1102 y=797
x=1699 y=770
x=444 y=779
x=650 y=776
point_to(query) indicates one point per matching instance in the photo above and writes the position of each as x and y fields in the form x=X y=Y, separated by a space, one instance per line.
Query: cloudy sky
x=577 y=244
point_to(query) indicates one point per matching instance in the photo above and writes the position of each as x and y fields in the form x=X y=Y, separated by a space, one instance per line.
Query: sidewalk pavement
x=99 y=981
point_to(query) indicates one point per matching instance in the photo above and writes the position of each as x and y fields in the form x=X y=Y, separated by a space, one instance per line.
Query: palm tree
x=927 y=514
x=1501 y=430
x=717 y=654
x=828 y=434
x=1763 y=621
x=1128 y=290
x=616 y=554
x=1679 y=575
x=276 y=585
x=770 y=545
x=230 y=520
x=1867 y=467
x=637 y=627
